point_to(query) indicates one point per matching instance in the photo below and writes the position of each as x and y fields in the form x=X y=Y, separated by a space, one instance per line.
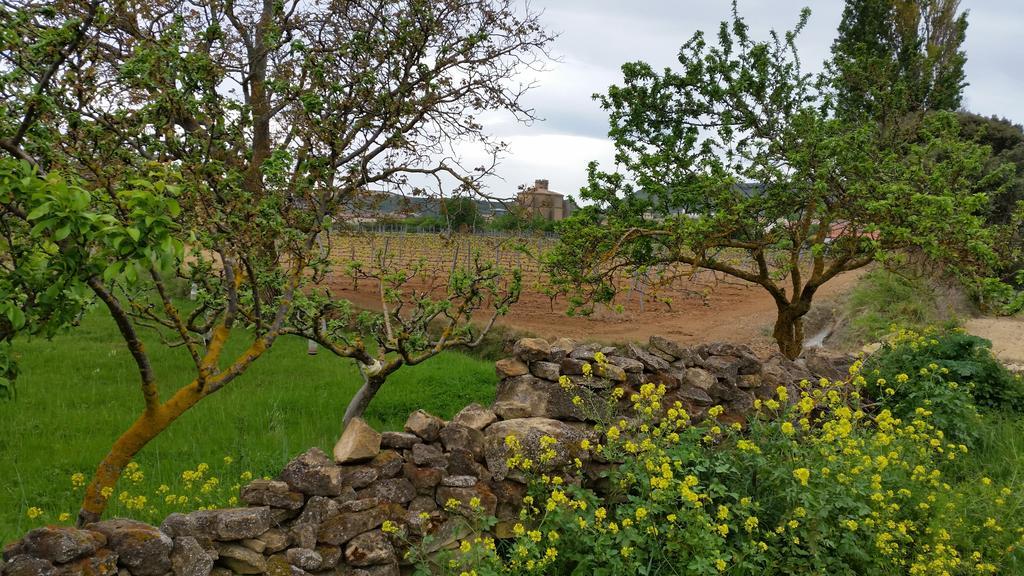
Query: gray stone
x=339 y=529
x=240 y=523
x=695 y=395
x=272 y=493
x=370 y=549
x=573 y=366
x=531 y=349
x=475 y=416
x=398 y=490
x=428 y=455
x=313 y=473
x=456 y=436
x=510 y=368
x=277 y=565
x=398 y=440
x=139 y=547
x=627 y=364
x=561 y=348
x=188 y=558
x=240 y=559
x=102 y=563
x=360 y=504
x=651 y=362
x=528 y=396
x=424 y=425
x=274 y=540
x=60 y=543
x=585 y=352
x=304 y=558
x=329 y=556
x=423 y=479
x=545 y=370
x=318 y=509
x=360 y=476
x=358 y=443
x=25 y=565
x=610 y=372
x=699 y=378
x=388 y=463
x=459 y=481
x=529 y=431
x=303 y=535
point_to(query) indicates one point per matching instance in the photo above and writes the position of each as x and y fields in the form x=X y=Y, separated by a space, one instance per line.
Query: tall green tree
x=739 y=163
x=895 y=57
x=149 y=143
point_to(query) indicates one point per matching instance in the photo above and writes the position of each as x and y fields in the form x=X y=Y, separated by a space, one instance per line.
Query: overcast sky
x=597 y=36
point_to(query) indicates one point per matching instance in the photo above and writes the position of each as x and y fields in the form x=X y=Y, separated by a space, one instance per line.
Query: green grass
x=78 y=392
x=881 y=299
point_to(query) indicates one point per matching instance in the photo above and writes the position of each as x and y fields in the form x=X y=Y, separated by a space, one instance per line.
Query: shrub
x=950 y=357
x=820 y=486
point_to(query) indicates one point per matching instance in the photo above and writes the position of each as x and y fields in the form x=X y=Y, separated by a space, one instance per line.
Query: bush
x=882 y=298
x=819 y=487
x=946 y=359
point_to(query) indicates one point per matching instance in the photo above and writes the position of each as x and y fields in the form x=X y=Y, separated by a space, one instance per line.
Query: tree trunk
x=789 y=332
x=359 y=402
x=146 y=427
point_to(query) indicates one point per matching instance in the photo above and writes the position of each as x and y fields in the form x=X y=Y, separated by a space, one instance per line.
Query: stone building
x=539 y=201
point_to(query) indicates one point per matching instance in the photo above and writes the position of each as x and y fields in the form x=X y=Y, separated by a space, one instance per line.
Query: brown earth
x=1006 y=334
x=731 y=312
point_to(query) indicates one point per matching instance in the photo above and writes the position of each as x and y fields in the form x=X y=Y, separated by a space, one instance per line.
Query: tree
x=738 y=164
x=894 y=57
x=460 y=213
x=215 y=143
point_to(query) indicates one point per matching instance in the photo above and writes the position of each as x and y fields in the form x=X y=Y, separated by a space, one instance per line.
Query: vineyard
x=689 y=306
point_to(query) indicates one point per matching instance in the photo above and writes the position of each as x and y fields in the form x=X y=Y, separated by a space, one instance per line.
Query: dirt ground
x=731 y=313
x=1006 y=334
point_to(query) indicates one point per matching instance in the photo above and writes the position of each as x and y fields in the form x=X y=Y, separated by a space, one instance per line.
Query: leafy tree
x=150 y=143
x=830 y=194
x=894 y=57
x=461 y=213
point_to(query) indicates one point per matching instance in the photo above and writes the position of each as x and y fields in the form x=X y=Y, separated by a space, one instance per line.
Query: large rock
x=359 y=477
x=228 y=523
x=510 y=368
x=272 y=493
x=423 y=479
x=424 y=425
x=699 y=378
x=531 y=349
x=313 y=473
x=398 y=440
x=188 y=558
x=428 y=455
x=627 y=364
x=370 y=549
x=140 y=548
x=545 y=370
x=358 y=443
x=309 y=560
x=651 y=362
x=465 y=495
x=60 y=543
x=274 y=540
x=528 y=432
x=341 y=528
x=475 y=416
x=561 y=348
x=528 y=396
x=388 y=463
x=397 y=490
x=240 y=559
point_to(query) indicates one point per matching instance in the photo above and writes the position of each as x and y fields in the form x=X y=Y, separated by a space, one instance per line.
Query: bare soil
x=1006 y=334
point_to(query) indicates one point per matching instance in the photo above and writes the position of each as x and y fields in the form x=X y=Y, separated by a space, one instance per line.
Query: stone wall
x=323 y=514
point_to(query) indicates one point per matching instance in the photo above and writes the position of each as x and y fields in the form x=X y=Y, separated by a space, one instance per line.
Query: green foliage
x=261 y=423
x=820 y=484
x=740 y=163
x=946 y=359
x=460 y=213
x=882 y=298
x=895 y=57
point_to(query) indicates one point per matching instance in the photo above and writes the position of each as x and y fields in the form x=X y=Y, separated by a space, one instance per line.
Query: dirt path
x=1006 y=334
x=731 y=313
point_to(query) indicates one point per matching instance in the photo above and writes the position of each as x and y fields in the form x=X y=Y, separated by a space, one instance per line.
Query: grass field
x=79 y=391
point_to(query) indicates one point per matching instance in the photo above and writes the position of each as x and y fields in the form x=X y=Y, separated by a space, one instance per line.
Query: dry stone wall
x=323 y=514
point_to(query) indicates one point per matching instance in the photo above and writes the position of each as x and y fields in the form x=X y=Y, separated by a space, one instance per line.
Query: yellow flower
x=389 y=527
x=720 y=565
x=64 y=517
x=228 y=460
x=78 y=480
x=802 y=474
x=787 y=428
x=34 y=512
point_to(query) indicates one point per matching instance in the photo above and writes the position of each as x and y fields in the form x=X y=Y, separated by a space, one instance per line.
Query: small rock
x=456 y=436
x=695 y=395
x=465 y=495
x=25 y=565
x=651 y=362
x=139 y=547
x=424 y=425
x=428 y=455
x=627 y=364
x=360 y=504
x=274 y=540
x=272 y=493
x=370 y=549
x=329 y=556
x=699 y=378
x=397 y=490
x=339 y=529
x=510 y=368
x=188 y=558
x=423 y=479
x=254 y=544
x=573 y=366
x=611 y=372
x=531 y=349
x=398 y=440
x=304 y=558
x=240 y=559
x=459 y=481
x=561 y=348
x=358 y=443
x=546 y=370
x=313 y=473
x=475 y=416
x=60 y=543
x=388 y=463
x=360 y=476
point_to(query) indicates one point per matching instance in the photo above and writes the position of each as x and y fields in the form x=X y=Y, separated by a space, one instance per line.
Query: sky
x=597 y=36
